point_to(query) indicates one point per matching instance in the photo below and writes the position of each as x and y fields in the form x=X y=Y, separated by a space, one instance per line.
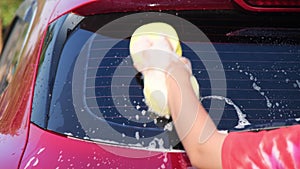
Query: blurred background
x=7 y=10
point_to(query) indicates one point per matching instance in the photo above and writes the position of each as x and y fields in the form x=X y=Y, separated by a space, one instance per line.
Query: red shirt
x=278 y=148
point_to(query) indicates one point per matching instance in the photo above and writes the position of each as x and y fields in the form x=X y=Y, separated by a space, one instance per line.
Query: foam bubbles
x=137 y=135
x=255 y=85
x=242 y=122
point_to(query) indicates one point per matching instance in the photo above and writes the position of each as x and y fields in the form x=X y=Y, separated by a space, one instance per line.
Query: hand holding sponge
x=162 y=39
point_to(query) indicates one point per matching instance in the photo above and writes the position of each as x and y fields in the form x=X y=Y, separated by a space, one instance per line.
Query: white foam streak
x=242 y=122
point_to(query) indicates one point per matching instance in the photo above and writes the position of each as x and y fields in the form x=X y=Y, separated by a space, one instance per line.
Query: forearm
x=195 y=128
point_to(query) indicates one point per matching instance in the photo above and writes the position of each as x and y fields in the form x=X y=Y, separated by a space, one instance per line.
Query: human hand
x=155 y=58
x=158 y=54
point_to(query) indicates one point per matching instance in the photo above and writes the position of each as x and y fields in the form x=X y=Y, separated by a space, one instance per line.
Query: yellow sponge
x=154 y=31
x=155 y=89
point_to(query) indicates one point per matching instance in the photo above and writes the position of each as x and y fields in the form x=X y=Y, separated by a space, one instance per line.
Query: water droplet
x=168 y=127
x=287 y=80
x=137 y=135
x=143 y=112
x=256 y=87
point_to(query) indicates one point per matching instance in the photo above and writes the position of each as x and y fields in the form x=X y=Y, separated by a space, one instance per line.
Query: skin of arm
x=196 y=130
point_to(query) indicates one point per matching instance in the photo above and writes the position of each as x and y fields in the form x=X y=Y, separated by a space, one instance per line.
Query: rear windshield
x=248 y=68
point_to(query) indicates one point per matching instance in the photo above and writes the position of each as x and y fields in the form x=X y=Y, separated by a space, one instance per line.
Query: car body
x=256 y=47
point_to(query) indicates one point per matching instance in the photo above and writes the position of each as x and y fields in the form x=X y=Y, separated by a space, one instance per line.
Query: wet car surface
x=72 y=99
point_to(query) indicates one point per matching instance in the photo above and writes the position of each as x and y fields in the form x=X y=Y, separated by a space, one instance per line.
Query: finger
x=187 y=63
x=141 y=43
x=157 y=58
x=166 y=43
x=138 y=67
x=163 y=43
x=184 y=60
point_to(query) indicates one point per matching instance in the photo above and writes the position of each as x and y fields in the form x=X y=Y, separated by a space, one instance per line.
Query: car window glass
x=83 y=104
x=97 y=94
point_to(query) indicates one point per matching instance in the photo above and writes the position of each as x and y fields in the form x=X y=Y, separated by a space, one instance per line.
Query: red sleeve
x=279 y=148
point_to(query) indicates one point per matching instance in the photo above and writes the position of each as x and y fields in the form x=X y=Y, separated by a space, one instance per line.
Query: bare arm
x=200 y=138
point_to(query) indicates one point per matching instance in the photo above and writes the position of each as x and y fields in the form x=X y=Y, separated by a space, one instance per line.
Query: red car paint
x=55 y=151
x=24 y=145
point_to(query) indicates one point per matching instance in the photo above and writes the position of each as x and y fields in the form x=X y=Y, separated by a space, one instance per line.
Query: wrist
x=180 y=93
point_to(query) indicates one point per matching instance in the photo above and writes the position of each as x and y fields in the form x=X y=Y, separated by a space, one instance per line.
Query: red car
x=70 y=97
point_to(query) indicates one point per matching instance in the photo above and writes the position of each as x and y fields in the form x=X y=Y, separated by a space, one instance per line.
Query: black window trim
x=65 y=24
